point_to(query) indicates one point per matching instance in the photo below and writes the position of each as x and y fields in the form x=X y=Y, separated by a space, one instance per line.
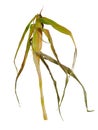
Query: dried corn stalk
x=36 y=30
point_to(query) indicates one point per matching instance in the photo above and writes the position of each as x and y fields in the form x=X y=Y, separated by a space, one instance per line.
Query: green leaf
x=61 y=29
x=55 y=25
x=24 y=59
x=21 y=40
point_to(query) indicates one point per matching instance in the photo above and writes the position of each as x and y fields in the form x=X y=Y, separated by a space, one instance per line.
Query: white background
x=81 y=17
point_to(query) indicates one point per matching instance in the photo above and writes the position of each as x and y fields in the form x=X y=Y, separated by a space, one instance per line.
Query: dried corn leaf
x=71 y=73
x=35 y=41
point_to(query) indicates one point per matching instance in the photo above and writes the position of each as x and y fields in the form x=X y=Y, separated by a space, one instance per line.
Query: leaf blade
x=21 y=68
x=24 y=59
x=54 y=82
x=71 y=73
x=47 y=33
x=21 y=40
x=61 y=29
x=36 y=47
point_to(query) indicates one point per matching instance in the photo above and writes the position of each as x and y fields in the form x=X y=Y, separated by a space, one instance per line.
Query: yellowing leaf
x=36 y=47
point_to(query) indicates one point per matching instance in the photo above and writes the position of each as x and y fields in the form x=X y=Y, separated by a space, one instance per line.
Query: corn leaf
x=71 y=73
x=47 y=33
x=54 y=81
x=24 y=60
x=61 y=29
x=36 y=47
x=22 y=66
x=21 y=40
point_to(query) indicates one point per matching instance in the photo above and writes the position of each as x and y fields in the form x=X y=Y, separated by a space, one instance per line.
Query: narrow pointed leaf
x=55 y=85
x=55 y=54
x=36 y=47
x=54 y=81
x=66 y=83
x=55 y=25
x=71 y=73
x=22 y=66
x=61 y=29
x=21 y=40
x=47 y=33
x=24 y=60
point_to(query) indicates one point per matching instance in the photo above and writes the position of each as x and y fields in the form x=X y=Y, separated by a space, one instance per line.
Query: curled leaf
x=71 y=73
x=24 y=60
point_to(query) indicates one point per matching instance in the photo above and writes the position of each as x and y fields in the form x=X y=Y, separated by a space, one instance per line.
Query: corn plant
x=35 y=39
